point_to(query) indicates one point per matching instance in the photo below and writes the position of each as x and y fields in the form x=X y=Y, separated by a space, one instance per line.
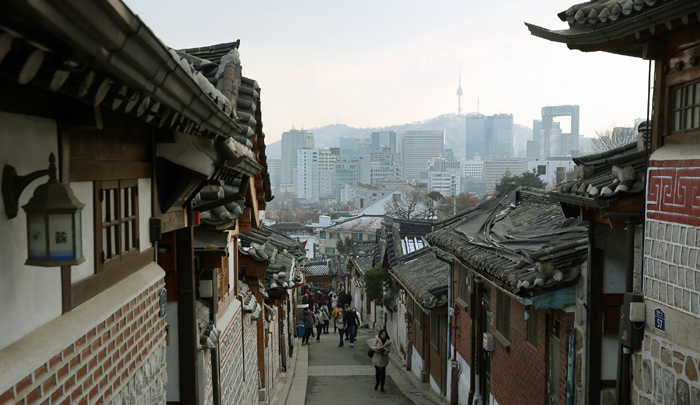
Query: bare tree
x=414 y=205
x=613 y=137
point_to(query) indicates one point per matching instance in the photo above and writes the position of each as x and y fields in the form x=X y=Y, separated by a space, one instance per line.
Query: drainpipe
x=451 y=356
x=625 y=353
x=570 y=371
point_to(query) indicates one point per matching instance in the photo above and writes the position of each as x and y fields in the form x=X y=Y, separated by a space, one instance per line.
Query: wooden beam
x=91 y=170
x=186 y=313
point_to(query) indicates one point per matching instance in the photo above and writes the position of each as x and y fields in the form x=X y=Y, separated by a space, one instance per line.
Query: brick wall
x=121 y=360
x=208 y=392
x=231 y=347
x=250 y=359
x=519 y=373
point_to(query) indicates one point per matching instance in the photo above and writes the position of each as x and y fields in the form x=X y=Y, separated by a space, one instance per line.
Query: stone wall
x=119 y=361
x=250 y=358
x=663 y=373
x=580 y=331
x=231 y=347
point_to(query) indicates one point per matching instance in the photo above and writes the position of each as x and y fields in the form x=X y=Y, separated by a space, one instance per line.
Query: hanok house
x=666 y=367
x=358 y=263
x=517 y=262
x=318 y=273
x=608 y=193
x=362 y=228
x=424 y=275
x=299 y=231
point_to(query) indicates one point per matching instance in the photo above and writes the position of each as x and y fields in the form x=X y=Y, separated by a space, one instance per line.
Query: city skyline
x=416 y=71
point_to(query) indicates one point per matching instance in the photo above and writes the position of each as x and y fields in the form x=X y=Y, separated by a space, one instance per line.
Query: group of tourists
x=324 y=306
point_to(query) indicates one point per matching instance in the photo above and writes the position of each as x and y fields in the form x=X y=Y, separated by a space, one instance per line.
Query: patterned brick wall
x=671 y=272
x=250 y=358
x=231 y=346
x=120 y=361
x=208 y=391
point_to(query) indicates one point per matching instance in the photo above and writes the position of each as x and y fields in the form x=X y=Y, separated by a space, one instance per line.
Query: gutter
x=451 y=356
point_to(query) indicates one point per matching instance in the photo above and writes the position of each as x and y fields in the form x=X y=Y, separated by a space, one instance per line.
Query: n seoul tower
x=459 y=94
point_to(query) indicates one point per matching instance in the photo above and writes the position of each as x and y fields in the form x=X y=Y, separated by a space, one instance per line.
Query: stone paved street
x=343 y=375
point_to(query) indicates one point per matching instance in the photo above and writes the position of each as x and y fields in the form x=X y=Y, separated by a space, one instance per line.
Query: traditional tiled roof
x=624 y=23
x=605 y=177
x=362 y=262
x=400 y=237
x=317 y=269
x=292 y=228
x=361 y=224
x=522 y=238
x=424 y=276
x=277 y=250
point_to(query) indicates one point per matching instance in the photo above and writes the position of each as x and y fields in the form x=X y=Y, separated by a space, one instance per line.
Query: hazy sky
x=376 y=63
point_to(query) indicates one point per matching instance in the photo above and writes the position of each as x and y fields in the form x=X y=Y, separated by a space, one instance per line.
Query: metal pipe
x=476 y=365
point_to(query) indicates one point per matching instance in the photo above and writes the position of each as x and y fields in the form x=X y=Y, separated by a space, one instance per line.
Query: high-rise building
x=443 y=176
x=344 y=173
x=473 y=168
x=382 y=140
x=476 y=132
x=307 y=184
x=292 y=141
x=536 y=130
x=498 y=141
x=565 y=143
x=326 y=159
x=495 y=169
x=273 y=168
x=417 y=150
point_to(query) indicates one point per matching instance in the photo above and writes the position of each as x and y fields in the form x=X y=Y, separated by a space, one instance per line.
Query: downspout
x=624 y=352
x=570 y=372
x=451 y=356
x=477 y=349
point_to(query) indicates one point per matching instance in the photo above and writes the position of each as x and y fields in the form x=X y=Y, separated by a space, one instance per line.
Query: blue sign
x=163 y=302
x=659 y=320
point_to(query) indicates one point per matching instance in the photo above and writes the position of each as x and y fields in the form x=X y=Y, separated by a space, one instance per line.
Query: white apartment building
x=308 y=176
x=273 y=168
x=473 y=168
x=445 y=182
x=326 y=159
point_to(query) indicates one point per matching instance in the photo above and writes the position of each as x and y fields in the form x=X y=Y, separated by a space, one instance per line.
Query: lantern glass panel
x=61 y=237
x=36 y=229
x=78 y=234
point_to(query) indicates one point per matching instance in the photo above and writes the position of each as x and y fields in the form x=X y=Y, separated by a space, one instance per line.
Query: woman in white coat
x=381 y=347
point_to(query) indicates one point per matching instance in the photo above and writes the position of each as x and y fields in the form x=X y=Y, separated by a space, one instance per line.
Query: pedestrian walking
x=340 y=323
x=334 y=301
x=308 y=318
x=326 y=317
x=352 y=320
x=318 y=321
x=381 y=346
x=336 y=311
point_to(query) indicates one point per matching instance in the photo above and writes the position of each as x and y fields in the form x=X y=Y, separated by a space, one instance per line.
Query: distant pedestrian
x=334 y=301
x=340 y=323
x=381 y=347
x=352 y=320
x=348 y=299
x=341 y=299
x=336 y=311
x=318 y=322
x=308 y=318
x=326 y=317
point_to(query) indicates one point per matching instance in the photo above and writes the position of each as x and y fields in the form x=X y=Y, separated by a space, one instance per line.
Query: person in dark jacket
x=351 y=320
x=308 y=318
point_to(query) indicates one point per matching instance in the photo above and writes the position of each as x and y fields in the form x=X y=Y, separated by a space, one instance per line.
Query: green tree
x=344 y=245
x=526 y=179
x=374 y=283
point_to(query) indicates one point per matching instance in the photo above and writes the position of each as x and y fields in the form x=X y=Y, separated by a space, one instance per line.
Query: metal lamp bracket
x=13 y=185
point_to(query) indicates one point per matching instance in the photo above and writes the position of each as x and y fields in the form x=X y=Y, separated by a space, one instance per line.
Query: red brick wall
x=97 y=365
x=417 y=335
x=462 y=333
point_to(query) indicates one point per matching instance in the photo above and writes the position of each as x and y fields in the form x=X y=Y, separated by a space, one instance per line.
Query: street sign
x=163 y=302
x=659 y=320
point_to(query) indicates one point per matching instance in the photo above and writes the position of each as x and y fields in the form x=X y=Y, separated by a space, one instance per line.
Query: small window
x=117 y=230
x=334 y=235
x=323 y=235
x=686 y=107
x=357 y=236
x=396 y=197
x=330 y=250
x=532 y=326
x=503 y=314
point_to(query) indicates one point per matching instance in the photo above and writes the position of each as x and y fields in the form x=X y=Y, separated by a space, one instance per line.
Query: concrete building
x=495 y=169
x=445 y=182
x=325 y=184
x=326 y=159
x=361 y=228
x=547 y=169
x=498 y=139
x=476 y=131
x=274 y=167
x=292 y=141
x=418 y=148
x=557 y=143
x=473 y=168
x=381 y=140
x=344 y=174
x=308 y=177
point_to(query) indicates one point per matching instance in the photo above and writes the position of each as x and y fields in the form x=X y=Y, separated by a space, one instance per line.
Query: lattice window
x=116 y=222
x=686 y=107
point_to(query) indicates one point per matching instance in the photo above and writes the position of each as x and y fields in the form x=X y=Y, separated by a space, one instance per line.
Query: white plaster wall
x=172 y=355
x=83 y=191
x=144 y=213
x=463 y=385
x=435 y=386
x=29 y=296
x=416 y=363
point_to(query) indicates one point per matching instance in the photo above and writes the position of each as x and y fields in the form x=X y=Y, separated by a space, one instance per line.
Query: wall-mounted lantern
x=54 y=235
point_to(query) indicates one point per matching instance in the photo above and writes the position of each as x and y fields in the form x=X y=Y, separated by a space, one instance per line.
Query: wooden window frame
x=503 y=314
x=102 y=262
x=684 y=110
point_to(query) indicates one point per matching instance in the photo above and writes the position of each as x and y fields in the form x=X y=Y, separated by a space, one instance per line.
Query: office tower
x=273 y=169
x=473 y=168
x=326 y=158
x=450 y=155
x=498 y=141
x=418 y=148
x=344 y=173
x=567 y=142
x=292 y=141
x=476 y=131
x=307 y=185
x=381 y=140
x=536 y=130
x=495 y=169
